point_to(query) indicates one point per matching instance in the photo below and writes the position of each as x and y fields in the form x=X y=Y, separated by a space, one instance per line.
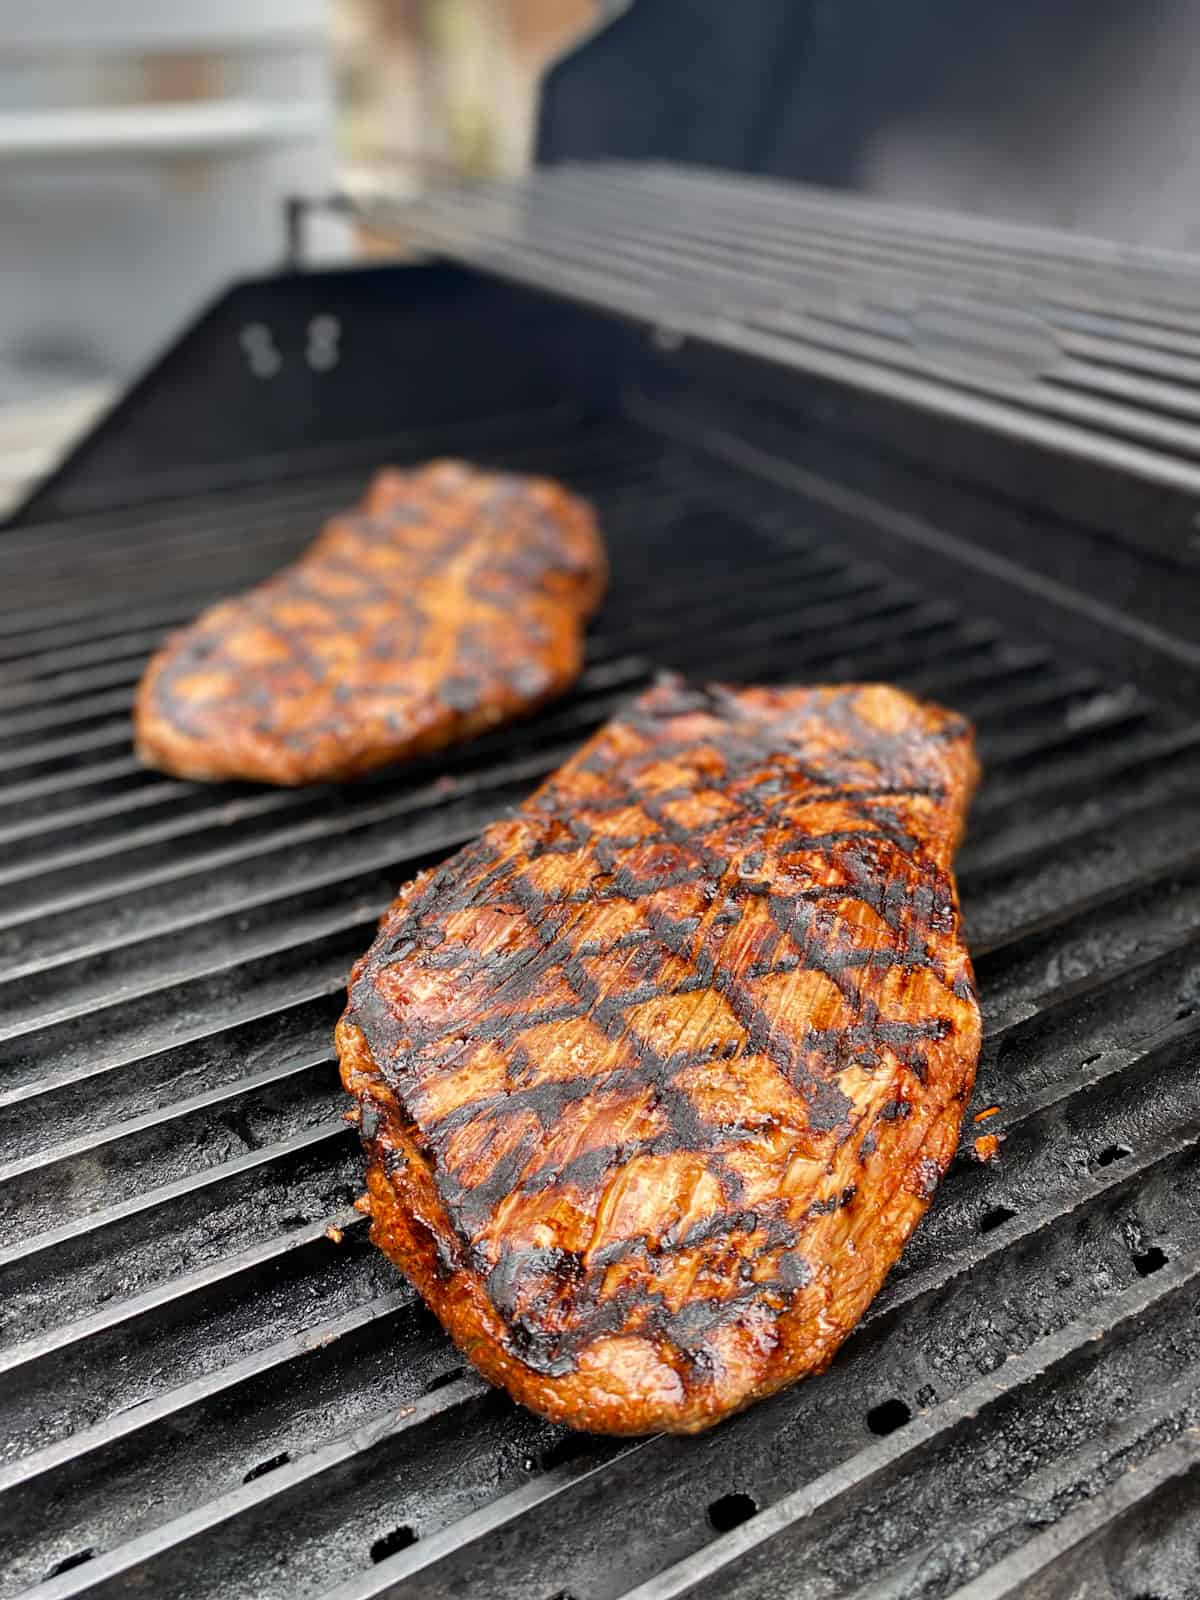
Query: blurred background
x=147 y=147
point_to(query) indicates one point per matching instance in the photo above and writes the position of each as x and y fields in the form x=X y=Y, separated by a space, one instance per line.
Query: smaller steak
x=450 y=601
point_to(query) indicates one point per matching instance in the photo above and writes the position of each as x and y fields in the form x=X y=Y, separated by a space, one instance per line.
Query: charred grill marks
x=673 y=1053
x=454 y=600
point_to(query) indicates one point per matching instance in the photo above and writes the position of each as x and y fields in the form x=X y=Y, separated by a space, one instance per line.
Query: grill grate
x=210 y=1382
x=1090 y=349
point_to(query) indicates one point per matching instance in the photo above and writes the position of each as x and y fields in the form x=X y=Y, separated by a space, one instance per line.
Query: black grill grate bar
x=880 y=1463
x=1076 y=994
x=472 y=1532
x=172 y=1407
x=1134 y=757
x=58 y=671
x=1001 y=868
x=780 y=230
x=247 y=563
x=1134 y=1437
x=1119 y=713
x=56 y=623
x=311 y=932
x=252 y=924
x=1054 y=691
x=332 y=952
x=141 y=1090
x=1008 y=664
x=856 y=222
x=52 y=752
x=92 y=1066
x=122 y=1563
x=961 y=651
x=1064 y=1098
x=175 y=1297
x=269 y=1160
x=998 y=856
x=100 y=1138
x=104 y=616
x=96 y=636
x=990 y=955
x=18 y=795
x=1051 y=1565
x=55 y=713
x=775 y=250
x=677 y=603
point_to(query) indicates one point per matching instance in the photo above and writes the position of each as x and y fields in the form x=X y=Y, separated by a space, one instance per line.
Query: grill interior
x=212 y=1384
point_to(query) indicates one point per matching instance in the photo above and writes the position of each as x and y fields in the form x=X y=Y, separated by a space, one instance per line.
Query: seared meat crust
x=450 y=601
x=656 y=1079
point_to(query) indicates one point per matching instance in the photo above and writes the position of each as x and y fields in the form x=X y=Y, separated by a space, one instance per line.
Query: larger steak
x=656 y=1079
x=450 y=601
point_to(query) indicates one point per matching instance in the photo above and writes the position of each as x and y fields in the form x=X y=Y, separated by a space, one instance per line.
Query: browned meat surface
x=451 y=600
x=656 y=1079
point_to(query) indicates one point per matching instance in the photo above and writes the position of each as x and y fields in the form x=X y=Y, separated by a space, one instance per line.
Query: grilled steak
x=450 y=601
x=656 y=1078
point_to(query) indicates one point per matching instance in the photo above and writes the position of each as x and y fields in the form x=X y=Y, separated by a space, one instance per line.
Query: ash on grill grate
x=207 y=1389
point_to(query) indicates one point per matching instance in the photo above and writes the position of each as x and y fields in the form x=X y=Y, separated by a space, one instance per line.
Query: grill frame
x=706 y=441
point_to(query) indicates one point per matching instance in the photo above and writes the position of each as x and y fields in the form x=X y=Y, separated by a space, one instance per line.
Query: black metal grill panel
x=1067 y=332
x=211 y=1383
